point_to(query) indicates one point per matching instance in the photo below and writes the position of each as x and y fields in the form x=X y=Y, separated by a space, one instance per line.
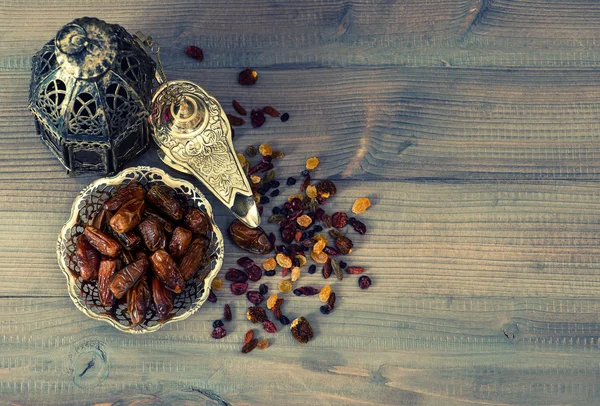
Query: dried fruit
x=290 y=181
x=88 y=259
x=197 y=221
x=167 y=226
x=166 y=271
x=217 y=323
x=295 y=273
x=191 y=261
x=242 y=159
x=283 y=260
x=238 y=107
x=324 y=293
x=344 y=244
x=312 y=163
x=320 y=258
x=306 y=291
x=245 y=262
x=311 y=191
x=269 y=327
x=100 y=219
x=304 y=221
x=256 y=314
x=238 y=288
x=262 y=344
x=354 y=269
x=326 y=189
x=360 y=205
x=263 y=289
x=312 y=269
x=305 y=184
x=102 y=242
x=271 y=111
x=331 y=301
x=271 y=301
x=163 y=298
x=270 y=273
x=180 y=242
x=153 y=234
x=212 y=297
x=285 y=117
x=124 y=279
x=250 y=346
x=254 y=240
x=257 y=117
x=301 y=330
x=265 y=149
x=166 y=203
x=334 y=233
x=219 y=332
x=195 y=52
x=217 y=283
x=276 y=218
x=255 y=179
x=336 y=269
x=301 y=260
x=285 y=286
x=254 y=273
x=358 y=226
x=278 y=154
x=324 y=309
x=254 y=297
x=227 y=313
x=364 y=282
x=107 y=269
x=339 y=219
x=131 y=191
x=319 y=245
x=269 y=264
x=138 y=300
x=251 y=151
x=248 y=336
x=327 y=270
x=247 y=77
x=327 y=220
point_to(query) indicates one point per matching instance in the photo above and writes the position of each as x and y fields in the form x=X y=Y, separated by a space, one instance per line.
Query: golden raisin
x=296 y=196
x=242 y=158
x=301 y=259
x=304 y=220
x=255 y=179
x=262 y=344
x=272 y=300
x=285 y=286
x=320 y=258
x=269 y=264
x=324 y=293
x=283 y=260
x=311 y=191
x=217 y=284
x=295 y=273
x=265 y=149
x=360 y=205
x=312 y=163
x=320 y=237
x=318 y=247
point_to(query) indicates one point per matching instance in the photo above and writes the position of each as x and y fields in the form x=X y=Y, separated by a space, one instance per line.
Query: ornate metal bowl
x=85 y=294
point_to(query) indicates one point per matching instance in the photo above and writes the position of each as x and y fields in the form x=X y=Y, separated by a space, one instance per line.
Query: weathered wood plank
x=387 y=123
x=454 y=239
x=409 y=351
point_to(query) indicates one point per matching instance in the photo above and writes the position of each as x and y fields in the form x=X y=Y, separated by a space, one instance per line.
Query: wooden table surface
x=472 y=125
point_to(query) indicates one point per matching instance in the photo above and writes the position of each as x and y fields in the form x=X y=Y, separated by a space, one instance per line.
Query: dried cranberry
x=269 y=326
x=331 y=251
x=248 y=77
x=238 y=288
x=195 y=52
x=245 y=262
x=339 y=219
x=319 y=213
x=306 y=291
x=254 y=273
x=344 y=244
x=277 y=313
x=235 y=275
x=238 y=107
x=254 y=297
x=261 y=167
x=359 y=227
x=312 y=269
x=288 y=233
x=285 y=117
x=364 y=282
x=257 y=117
x=219 y=332
x=296 y=204
x=217 y=323
x=263 y=289
x=298 y=236
x=235 y=120
x=227 y=313
x=212 y=297
x=309 y=242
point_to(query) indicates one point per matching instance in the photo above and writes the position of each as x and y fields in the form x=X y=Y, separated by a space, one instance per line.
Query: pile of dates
x=141 y=247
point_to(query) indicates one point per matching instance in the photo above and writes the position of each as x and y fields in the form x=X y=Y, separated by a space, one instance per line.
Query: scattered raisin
x=217 y=284
x=359 y=227
x=324 y=309
x=271 y=111
x=305 y=183
x=364 y=282
x=263 y=289
x=331 y=301
x=275 y=193
x=250 y=346
x=339 y=219
x=355 y=270
x=235 y=275
x=335 y=233
x=285 y=286
x=311 y=191
x=212 y=297
x=217 y=323
x=256 y=314
x=238 y=107
x=247 y=77
x=239 y=288
x=320 y=258
x=227 y=313
x=245 y=262
x=326 y=189
x=304 y=221
x=195 y=52
x=270 y=273
x=257 y=117
x=235 y=120
x=283 y=260
x=269 y=326
x=344 y=244
x=269 y=264
x=327 y=269
x=271 y=301
x=284 y=320
x=301 y=330
x=290 y=181
x=248 y=336
x=331 y=251
x=219 y=332
x=324 y=293
x=263 y=344
x=285 y=117
x=254 y=297
x=295 y=273
x=343 y=264
x=265 y=149
x=251 y=151
x=336 y=269
x=312 y=269
x=306 y=291
x=360 y=205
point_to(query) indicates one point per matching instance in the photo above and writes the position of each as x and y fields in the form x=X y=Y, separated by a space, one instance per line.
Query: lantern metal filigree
x=90 y=93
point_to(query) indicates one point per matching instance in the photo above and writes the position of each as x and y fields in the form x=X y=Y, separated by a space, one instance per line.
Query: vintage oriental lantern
x=90 y=92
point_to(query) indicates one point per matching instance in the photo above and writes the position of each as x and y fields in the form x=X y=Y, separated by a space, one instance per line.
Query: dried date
x=87 y=258
x=167 y=225
x=180 y=242
x=197 y=221
x=105 y=244
x=128 y=216
x=127 y=277
x=108 y=267
x=138 y=300
x=253 y=240
x=165 y=203
x=153 y=234
x=163 y=298
x=166 y=271
x=123 y=195
x=191 y=261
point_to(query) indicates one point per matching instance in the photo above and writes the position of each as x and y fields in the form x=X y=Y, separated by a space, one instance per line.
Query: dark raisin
x=332 y=252
x=217 y=323
x=343 y=264
x=251 y=151
x=247 y=77
x=271 y=111
x=245 y=262
x=264 y=200
x=317 y=229
x=324 y=309
x=250 y=346
x=327 y=269
x=269 y=273
x=306 y=291
x=304 y=172
x=284 y=320
x=195 y=52
x=331 y=301
x=219 y=332
x=284 y=211
x=238 y=107
x=263 y=289
x=212 y=297
x=235 y=120
x=290 y=181
x=275 y=184
x=305 y=183
x=275 y=193
x=296 y=262
x=312 y=269
x=285 y=117
x=275 y=210
x=257 y=117
x=359 y=227
x=260 y=210
x=364 y=282
x=227 y=313
x=351 y=220
x=319 y=213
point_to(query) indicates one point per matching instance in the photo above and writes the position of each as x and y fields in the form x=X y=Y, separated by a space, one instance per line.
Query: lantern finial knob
x=71 y=39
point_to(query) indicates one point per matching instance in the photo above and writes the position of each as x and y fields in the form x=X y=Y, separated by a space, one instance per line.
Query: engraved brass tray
x=85 y=294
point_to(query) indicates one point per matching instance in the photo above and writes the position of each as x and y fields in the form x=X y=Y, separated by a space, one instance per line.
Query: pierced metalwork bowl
x=85 y=294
